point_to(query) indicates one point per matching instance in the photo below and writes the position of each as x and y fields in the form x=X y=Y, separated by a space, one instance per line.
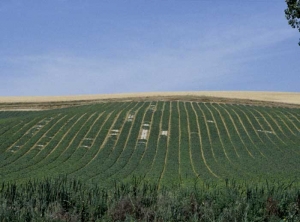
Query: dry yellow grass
x=244 y=97
x=282 y=97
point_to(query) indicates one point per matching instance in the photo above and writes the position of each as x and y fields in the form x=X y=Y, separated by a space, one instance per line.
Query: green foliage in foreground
x=64 y=199
x=292 y=13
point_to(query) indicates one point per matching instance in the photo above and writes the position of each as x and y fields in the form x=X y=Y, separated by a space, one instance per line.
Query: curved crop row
x=168 y=142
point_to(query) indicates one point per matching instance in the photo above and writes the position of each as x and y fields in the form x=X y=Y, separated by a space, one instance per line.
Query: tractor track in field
x=135 y=147
x=36 y=144
x=238 y=132
x=158 y=139
x=124 y=147
x=201 y=144
x=218 y=131
x=247 y=133
x=189 y=132
x=253 y=128
x=146 y=144
x=167 y=148
x=269 y=125
x=227 y=131
x=102 y=143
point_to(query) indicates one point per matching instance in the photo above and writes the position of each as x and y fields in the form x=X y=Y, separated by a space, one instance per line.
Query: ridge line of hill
x=35 y=103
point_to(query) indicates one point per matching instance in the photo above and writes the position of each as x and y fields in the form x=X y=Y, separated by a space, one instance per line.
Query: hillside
x=179 y=139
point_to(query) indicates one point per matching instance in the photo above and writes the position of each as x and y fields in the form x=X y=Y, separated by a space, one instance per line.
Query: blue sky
x=64 y=47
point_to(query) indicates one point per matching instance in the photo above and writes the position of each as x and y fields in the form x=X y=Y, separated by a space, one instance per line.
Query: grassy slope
x=206 y=141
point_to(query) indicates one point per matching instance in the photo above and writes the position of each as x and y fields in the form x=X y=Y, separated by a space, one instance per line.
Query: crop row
x=166 y=142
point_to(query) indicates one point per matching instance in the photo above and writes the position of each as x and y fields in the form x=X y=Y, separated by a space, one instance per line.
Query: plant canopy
x=292 y=13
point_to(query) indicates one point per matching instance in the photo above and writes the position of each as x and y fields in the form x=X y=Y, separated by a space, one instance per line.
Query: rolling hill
x=170 y=139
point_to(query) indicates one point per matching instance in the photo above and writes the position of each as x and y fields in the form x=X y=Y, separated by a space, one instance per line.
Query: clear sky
x=64 y=47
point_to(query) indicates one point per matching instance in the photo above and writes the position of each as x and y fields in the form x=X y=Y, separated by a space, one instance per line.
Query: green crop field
x=150 y=161
x=168 y=142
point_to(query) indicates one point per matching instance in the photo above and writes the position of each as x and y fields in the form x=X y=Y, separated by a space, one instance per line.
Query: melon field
x=169 y=143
